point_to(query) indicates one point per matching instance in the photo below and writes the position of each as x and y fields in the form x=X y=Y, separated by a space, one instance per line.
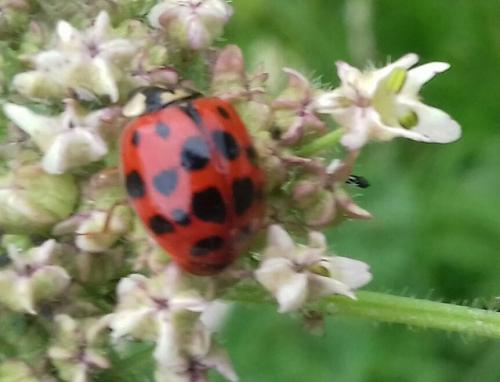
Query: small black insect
x=358 y=181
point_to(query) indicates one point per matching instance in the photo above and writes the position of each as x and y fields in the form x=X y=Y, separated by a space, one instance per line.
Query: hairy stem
x=326 y=142
x=394 y=309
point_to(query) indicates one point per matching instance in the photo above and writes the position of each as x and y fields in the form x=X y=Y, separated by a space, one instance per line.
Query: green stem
x=394 y=309
x=328 y=141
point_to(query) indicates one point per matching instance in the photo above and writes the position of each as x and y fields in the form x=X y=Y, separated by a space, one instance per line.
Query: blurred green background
x=437 y=231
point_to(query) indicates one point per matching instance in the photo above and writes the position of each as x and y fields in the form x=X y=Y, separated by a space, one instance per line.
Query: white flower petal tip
x=381 y=104
x=434 y=125
x=298 y=274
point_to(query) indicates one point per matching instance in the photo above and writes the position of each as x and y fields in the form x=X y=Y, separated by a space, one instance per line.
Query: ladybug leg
x=107 y=221
x=109 y=216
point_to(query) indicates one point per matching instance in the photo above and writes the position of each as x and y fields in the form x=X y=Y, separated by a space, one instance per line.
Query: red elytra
x=191 y=174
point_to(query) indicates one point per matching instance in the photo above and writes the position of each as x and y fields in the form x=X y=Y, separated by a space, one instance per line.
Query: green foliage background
x=437 y=230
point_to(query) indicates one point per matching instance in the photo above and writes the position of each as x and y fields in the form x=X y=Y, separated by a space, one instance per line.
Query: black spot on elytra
x=204 y=246
x=192 y=113
x=226 y=144
x=195 y=154
x=223 y=112
x=181 y=217
x=159 y=225
x=251 y=155
x=136 y=138
x=162 y=130
x=208 y=205
x=135 y=185
x=165 y=182
x=243 y=195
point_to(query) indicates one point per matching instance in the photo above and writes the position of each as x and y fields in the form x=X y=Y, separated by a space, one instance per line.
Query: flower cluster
x=97 y=280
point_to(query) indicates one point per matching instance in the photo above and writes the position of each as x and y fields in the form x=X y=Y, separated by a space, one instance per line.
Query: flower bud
x=294 y=111
x=15 y=371
x=230 y=82
x=14 y=16
x=16 y=242
x=31 y=201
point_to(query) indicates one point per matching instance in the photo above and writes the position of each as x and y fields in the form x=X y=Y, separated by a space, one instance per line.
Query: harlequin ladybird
x=191 y=174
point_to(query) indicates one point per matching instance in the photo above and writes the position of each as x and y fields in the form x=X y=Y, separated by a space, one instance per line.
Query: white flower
x=69 y=140
x=295 y=274
x=155 y=309
x=381 y=104
x=31 y=278
x=166 y=309
x=89 y=62
x=194 y=357
x=77 y=348
x=191 y=23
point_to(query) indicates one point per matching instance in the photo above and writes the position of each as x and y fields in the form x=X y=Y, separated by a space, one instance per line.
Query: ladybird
x=191 y=174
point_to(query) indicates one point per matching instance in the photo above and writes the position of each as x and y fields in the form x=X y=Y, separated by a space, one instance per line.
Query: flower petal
x=347 y=73
x=292 y=294
x=418 y=76
x=74 y=148
x=126 y=322
x=320 y=286
x=433 y=124
x=353 y=273
x=279 y=241
x=218 y=359
x=168 y=346
x=41 y=129
x=273 y=272
x=105 y=79
x=288 y=287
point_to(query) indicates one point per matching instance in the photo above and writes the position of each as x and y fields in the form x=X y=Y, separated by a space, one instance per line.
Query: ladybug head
x=153 y=98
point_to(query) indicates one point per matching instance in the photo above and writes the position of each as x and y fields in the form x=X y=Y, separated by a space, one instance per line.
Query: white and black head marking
x=153 y=98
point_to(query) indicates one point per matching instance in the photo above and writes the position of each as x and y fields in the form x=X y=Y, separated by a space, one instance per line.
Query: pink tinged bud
x=304 y=189
x=349 y=208
x=229 y=77
x=294 y=109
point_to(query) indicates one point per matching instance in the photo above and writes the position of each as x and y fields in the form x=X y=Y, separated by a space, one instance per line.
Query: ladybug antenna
x=153 y=98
